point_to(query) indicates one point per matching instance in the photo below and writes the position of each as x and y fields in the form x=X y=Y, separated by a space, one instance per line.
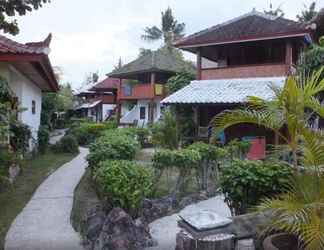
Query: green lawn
x=14 y=198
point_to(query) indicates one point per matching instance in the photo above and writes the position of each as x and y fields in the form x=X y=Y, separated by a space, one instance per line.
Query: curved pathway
x=44 y=223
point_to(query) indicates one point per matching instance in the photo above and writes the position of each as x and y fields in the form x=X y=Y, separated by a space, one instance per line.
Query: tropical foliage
x=293 y=108
x=245 y=183
x=116 y=144
x=308 y=13
x=312 y=59
x=164 y=133
x=179 y=81
x=169 y=31
x=9 y=9
x=124 y=183
x=299 y=210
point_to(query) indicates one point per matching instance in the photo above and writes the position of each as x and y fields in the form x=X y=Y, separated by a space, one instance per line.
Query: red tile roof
x=253 y=25
x=9 y=46
x=108 y=83
x=35 y=53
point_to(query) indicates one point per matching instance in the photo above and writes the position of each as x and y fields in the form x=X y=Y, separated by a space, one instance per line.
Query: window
x=142 y=113
x=33 y=107
x=128 y=90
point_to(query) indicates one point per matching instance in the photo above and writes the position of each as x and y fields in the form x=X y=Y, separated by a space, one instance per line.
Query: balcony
x=141 y=91
x=247 y=71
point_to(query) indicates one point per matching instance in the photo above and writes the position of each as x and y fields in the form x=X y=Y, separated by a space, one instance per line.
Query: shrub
x=43 y=139
x=68 y=144
x=184 y=160
x=246 y=182
x=142 y=135
x=211 y=156
x=21 y=135
x=124 y=183
x=113 y=145
x=164 y=133
x=87 y=132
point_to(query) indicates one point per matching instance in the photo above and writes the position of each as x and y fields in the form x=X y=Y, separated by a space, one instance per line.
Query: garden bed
x=14 y=198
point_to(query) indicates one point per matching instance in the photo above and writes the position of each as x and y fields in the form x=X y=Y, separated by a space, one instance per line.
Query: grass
x=14 y=198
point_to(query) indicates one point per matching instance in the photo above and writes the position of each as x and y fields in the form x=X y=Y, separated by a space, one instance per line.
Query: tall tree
x=119 y=65
x=275 y=12
x=307 y=13
x=169 y=31
x=11 y=8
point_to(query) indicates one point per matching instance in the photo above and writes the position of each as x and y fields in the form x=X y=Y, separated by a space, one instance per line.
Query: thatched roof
x=161 y=60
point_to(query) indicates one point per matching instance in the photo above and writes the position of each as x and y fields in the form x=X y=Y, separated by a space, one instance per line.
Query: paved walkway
x=164 y=230
x=56 y=135
x=44 y=224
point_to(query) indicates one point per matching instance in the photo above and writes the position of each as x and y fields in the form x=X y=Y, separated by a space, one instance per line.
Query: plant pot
x=281 y=241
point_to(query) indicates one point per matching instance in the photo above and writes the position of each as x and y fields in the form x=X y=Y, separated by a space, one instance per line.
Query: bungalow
x=139 y=96
x=29 y=72
x=236 y=59
x=98 y=101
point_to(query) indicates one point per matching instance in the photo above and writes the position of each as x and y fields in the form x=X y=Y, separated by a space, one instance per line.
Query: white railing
x=131 y=116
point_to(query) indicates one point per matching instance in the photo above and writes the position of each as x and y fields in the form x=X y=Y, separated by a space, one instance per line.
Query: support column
x=289 y=56
x=151 y=104
x=118 y=112
x=199 y=64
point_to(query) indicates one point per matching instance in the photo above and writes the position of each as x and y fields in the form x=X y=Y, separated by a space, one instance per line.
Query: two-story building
x=237 y=59
x=98 y=100
x=143 y=87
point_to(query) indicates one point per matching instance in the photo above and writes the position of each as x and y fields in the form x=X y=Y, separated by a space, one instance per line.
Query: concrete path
x=56 y=136
x=165 y=229
x=44 y=224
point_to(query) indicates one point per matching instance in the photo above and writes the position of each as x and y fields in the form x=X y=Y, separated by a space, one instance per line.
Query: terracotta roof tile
x=9 y=46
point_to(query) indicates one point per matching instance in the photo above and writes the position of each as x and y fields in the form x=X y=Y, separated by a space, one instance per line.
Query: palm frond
x=152 y=34
x=233 y=117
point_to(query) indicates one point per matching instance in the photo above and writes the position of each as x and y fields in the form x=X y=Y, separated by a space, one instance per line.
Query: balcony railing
x=246 y=71
x=141 y=91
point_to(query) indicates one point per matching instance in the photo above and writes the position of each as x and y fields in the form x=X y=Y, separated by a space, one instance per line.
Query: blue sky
x=91 y=35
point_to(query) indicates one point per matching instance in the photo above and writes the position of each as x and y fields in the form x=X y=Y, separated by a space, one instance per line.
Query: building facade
x=28 y=70
x=142 y=87
x=236 y=59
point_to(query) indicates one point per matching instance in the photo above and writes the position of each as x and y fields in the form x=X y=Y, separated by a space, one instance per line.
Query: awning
x=225 y=91
x=88 y=105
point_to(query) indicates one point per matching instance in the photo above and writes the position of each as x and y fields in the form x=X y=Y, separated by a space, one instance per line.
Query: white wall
x=130 y=116
x=27 y=92
x=107 y=108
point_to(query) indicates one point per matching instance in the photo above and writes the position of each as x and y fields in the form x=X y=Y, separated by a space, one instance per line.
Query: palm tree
x=170 y=29
x=308 y=13
x=292 y=107
x=299 y=211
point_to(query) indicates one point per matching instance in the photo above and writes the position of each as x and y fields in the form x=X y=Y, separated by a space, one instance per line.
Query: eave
x=192 y=47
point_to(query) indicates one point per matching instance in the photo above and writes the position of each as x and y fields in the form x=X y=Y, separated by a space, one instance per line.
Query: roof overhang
x=134 y=74
x=36 y=67
x=193 y=47
x=222 y=91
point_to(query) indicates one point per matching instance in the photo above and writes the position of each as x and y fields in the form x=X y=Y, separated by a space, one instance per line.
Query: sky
x=91 y=35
